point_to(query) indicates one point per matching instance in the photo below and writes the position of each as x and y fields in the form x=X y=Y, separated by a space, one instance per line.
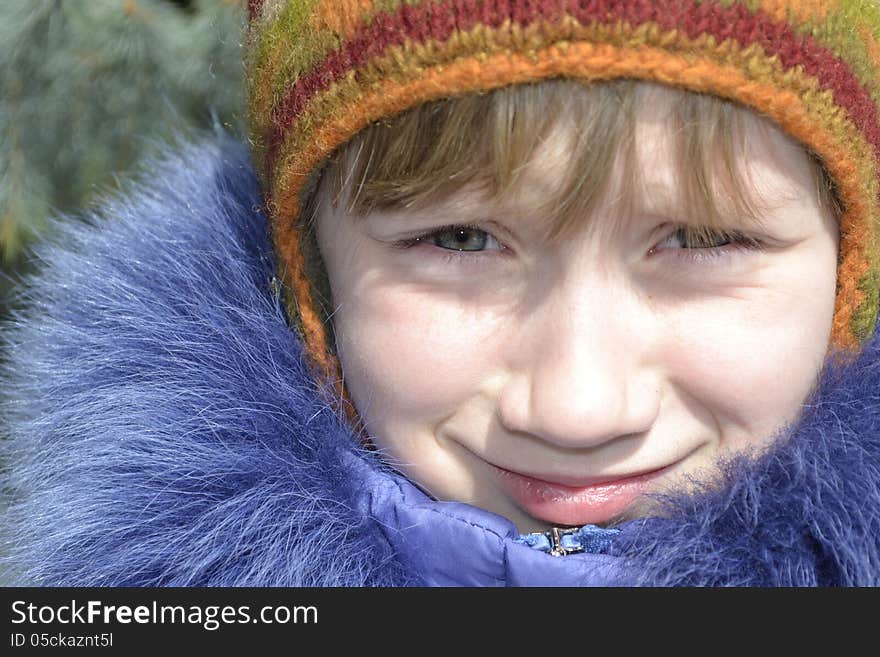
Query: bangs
x=486 y=142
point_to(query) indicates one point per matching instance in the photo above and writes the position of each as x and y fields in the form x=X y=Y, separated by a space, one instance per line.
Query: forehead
x=659 y=158
x=774 y=162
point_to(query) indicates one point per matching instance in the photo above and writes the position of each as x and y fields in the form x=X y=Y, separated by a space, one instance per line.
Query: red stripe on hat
x=254 y=7
x=439 y=19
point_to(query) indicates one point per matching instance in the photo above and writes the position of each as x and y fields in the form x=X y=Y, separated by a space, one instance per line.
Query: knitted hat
x=319 y=71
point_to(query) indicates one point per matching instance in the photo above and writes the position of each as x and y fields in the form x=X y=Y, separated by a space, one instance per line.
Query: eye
x=701 y=244
x=461 y=238
x=689 y=238
x=456 y=245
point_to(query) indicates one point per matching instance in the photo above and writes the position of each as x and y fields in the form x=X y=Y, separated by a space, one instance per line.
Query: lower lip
x=567 y=505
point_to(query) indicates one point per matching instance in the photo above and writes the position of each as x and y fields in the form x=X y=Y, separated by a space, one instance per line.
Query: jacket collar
x=455 y=544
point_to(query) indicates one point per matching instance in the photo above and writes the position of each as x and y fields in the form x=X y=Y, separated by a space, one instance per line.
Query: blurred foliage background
x=89 y=88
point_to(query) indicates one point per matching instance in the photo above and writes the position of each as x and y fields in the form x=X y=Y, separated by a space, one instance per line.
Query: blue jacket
x=163 y=430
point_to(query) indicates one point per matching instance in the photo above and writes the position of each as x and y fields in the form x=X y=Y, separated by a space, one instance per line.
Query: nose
x=581 y=376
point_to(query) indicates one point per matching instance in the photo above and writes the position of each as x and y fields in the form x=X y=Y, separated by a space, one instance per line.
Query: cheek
x=410 y=358
x=754 y=359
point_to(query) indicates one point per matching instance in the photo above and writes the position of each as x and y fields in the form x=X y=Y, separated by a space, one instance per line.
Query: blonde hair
x=430 y=152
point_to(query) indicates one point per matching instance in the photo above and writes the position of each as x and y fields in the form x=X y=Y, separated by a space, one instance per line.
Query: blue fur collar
x=163 y=431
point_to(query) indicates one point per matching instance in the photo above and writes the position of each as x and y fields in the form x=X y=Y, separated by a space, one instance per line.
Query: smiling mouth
x=564 y=504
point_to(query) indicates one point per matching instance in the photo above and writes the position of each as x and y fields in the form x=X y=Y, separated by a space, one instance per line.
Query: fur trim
x=805 y=514
x=164 y=431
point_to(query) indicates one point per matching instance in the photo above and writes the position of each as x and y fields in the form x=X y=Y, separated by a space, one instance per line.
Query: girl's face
x=558 y=383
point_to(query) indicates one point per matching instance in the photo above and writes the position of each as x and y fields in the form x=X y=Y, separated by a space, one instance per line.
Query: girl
x=521 y=281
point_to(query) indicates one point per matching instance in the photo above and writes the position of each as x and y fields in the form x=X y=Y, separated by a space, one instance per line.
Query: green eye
x=461 y=238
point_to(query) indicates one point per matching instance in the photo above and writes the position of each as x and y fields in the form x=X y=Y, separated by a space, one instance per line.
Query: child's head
x=603 y=285
x=524 y=293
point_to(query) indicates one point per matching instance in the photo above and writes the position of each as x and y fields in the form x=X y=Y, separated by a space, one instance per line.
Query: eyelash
x=702 y=255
